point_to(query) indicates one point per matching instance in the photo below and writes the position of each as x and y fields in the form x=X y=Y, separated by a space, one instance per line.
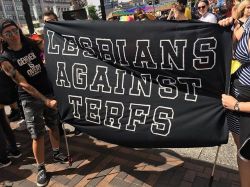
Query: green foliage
x=92 y=13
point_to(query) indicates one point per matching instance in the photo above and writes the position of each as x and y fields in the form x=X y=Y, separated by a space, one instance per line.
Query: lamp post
x=103 y=9
x=27 y=15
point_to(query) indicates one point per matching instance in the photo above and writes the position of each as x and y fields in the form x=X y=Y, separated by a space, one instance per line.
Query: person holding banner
x=51 y=16
x=21 y=61
x=177 y=12
x=229 y=103
x=203 y=7
x=238 y=117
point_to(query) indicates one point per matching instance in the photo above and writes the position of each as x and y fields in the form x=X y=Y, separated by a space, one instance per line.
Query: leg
x=52 y=120
x=4 y=161
x=15 y=112
x=33 y=111
x=54 y=138
x=244 y=167
x=7 y=130
x=38 y=149
x=22 y=123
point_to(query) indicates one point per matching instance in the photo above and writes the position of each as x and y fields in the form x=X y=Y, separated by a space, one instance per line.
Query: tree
x=27 y=15
x=92 y=13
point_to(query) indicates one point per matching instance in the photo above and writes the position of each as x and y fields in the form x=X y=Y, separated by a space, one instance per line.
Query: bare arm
x=229 y=103
x=21 y=81
x=170 y=14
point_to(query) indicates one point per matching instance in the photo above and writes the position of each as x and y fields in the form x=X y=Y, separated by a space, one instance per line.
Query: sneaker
x=21 y=125
x=14 y=115
x=78 y=132
x=42 y=179
x=18 y=144
x=60 y=157
x=14 y=154
x=4 y=163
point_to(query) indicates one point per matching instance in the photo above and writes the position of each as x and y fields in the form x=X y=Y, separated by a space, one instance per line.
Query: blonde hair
x=241 y=8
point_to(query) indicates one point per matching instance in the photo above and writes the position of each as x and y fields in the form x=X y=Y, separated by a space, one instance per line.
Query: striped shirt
x=242 y=55
x=243 y=74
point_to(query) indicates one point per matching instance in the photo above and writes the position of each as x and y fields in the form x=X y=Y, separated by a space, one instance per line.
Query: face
x=247 y=10
x=49 y=18
x=11 y=34
x=202 y=8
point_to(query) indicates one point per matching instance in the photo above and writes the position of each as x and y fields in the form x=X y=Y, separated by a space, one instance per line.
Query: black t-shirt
x=29 y=63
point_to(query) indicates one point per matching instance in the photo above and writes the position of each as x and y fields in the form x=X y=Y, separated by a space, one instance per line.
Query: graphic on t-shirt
x=33 y=69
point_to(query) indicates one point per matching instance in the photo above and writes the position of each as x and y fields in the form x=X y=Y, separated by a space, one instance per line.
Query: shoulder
x=212 y=18
x=246 y=25
x=211 y=15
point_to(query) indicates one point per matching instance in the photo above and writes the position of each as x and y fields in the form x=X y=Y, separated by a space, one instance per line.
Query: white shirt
x=208 y=17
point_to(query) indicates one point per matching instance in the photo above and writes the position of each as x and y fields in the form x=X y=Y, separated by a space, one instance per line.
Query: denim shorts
x=37 y=115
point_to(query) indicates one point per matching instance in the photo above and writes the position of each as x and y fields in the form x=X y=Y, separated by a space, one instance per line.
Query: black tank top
x=29 y=63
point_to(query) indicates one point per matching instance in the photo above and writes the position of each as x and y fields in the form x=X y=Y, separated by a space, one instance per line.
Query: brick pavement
x=97 y=163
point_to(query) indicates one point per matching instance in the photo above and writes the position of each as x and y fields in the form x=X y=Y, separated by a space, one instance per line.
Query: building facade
x=13 y=9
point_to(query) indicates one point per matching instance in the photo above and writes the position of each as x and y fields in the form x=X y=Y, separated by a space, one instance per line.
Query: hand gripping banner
x=141 y=84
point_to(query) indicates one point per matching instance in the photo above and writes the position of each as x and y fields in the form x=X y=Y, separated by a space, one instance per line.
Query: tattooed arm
x=21 y=81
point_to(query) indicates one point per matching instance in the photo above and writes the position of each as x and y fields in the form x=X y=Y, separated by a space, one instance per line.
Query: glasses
x=11 y=33
x=201 y=7
x=50 y=20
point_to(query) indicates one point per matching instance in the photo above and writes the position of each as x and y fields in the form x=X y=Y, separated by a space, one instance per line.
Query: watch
x=236 y=106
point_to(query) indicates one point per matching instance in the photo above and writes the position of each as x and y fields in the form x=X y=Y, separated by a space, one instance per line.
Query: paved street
x=97 y=163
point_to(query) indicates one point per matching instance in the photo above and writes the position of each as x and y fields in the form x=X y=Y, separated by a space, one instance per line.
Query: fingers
x=226 y=22
x=51 y=104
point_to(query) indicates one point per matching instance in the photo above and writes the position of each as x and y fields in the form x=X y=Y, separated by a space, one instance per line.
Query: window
x=19 y=7
x=9 y=7
x=21 y=17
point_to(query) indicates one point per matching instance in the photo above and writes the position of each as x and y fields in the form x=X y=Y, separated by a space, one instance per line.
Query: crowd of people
x=203 y=10
x=25 y=87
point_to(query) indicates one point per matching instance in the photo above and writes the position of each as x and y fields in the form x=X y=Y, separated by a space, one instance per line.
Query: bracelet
x=236 y=106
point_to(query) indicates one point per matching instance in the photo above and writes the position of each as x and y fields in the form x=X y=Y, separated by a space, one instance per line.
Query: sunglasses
x=53 y=19
x=11 y=33
x=201 y=7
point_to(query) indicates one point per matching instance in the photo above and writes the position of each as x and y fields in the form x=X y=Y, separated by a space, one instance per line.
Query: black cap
x=6 y=23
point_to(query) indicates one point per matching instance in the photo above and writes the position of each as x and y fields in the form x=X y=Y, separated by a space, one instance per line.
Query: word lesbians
x=172 y=53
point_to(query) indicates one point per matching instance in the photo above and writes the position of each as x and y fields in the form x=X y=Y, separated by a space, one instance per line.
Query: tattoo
x=13 y=73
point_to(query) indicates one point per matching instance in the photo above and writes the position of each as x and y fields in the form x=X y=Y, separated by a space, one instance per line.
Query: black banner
x=141 y=84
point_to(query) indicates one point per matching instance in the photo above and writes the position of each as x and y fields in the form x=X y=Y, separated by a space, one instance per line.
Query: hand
x=226 y=22
x=228 y=101
x=51 y=103
x=171 y=12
